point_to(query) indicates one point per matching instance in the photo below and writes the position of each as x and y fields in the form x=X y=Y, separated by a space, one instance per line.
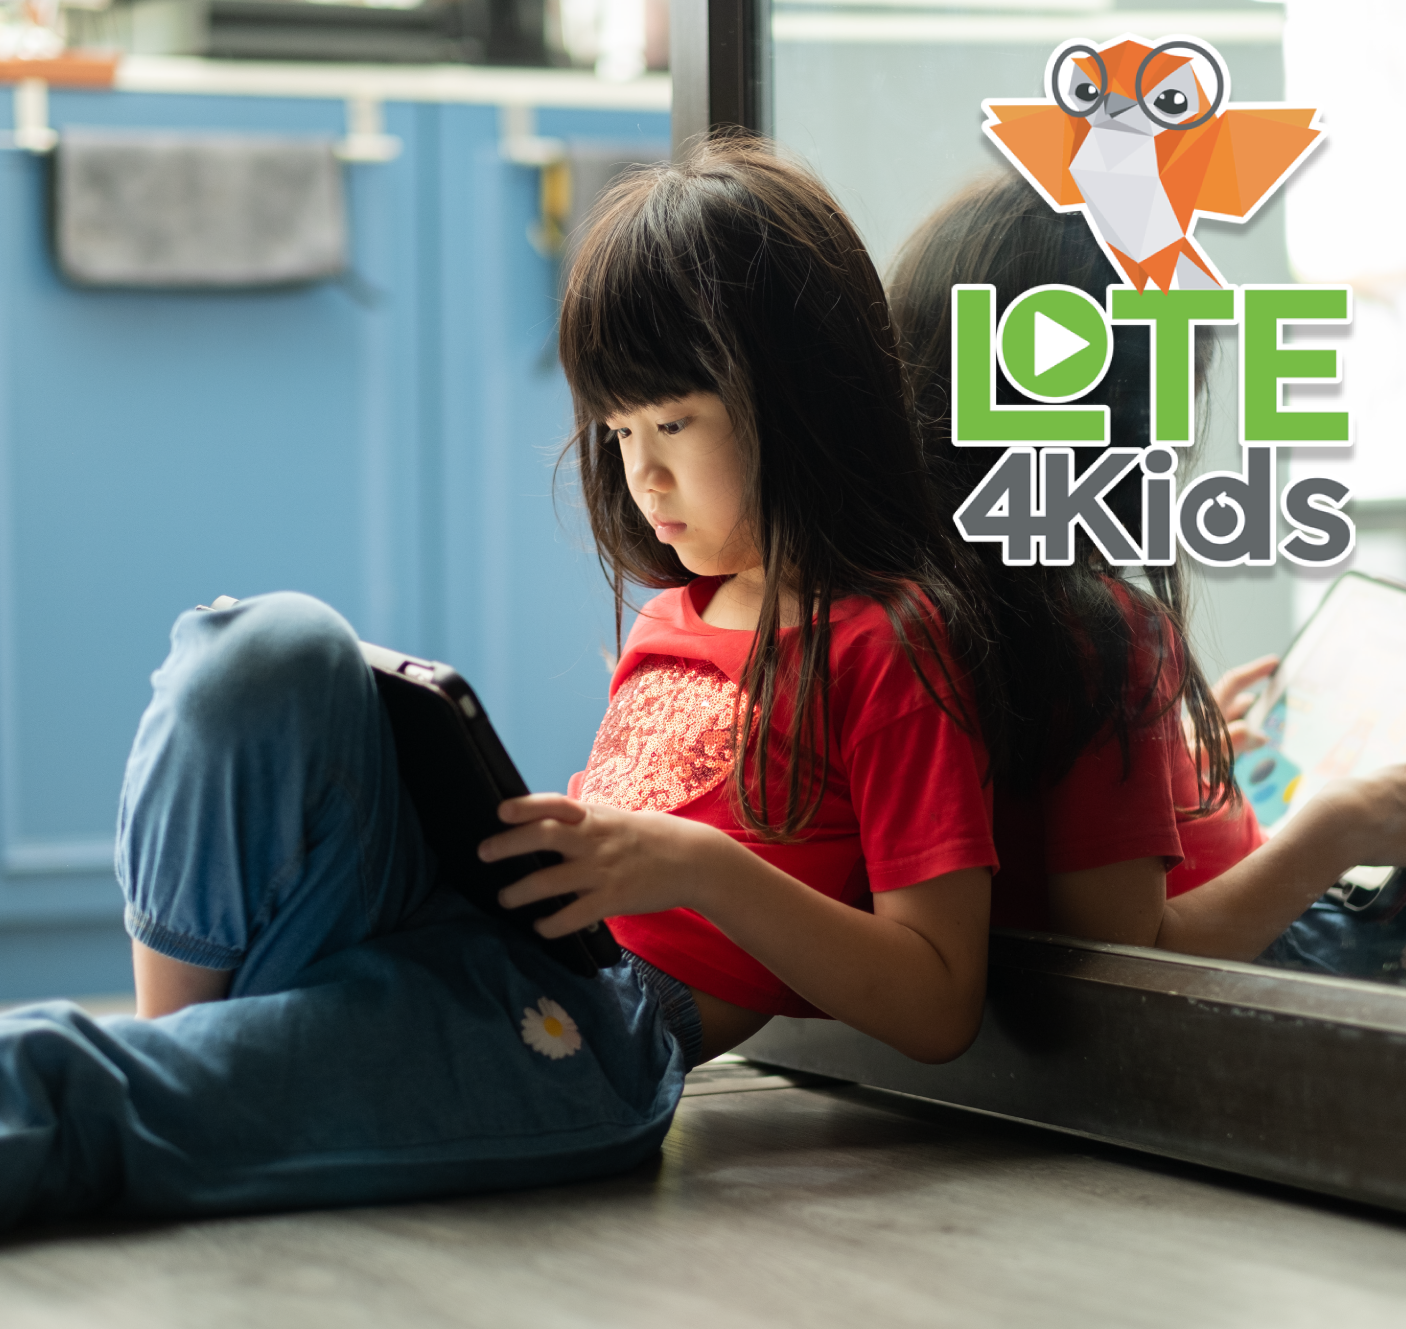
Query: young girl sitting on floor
x=790 y=734
x=1109 y=826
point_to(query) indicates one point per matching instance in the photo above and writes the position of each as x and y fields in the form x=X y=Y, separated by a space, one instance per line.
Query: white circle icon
x=1225 y=501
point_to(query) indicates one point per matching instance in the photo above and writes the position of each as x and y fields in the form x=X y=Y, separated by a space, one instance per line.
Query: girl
x=1110 y=824
x=789 y=737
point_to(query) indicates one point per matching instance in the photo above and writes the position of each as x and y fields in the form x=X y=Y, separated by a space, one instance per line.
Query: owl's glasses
x=1082 y=48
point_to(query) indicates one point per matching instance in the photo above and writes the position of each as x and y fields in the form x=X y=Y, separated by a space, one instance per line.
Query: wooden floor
x=772 y=1204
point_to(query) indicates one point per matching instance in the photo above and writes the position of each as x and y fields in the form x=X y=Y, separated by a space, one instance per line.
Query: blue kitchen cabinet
x=385 y=441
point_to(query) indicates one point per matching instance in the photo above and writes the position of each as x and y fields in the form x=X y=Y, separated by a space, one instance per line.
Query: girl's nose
x=648 y=473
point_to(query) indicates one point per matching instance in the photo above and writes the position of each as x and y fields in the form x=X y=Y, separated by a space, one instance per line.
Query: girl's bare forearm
x=877 y=974
x=1236 y=915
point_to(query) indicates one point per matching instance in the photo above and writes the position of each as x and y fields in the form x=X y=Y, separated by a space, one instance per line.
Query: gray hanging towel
x=157 y=209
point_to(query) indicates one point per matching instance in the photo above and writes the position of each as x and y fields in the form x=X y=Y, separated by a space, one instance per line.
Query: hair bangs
x=632 y=328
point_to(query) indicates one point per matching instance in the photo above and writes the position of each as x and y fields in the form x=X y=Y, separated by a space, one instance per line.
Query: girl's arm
x=1236 y=915
x=912 y=973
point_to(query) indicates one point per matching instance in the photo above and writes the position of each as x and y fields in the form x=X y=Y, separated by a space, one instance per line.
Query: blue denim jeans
x=1329 y=939
x=384 y=1039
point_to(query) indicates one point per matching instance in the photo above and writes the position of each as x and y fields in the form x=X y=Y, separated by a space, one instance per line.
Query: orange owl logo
x=1128 y=135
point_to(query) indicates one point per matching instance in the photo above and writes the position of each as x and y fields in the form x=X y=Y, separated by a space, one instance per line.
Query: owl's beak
x=1115 y=104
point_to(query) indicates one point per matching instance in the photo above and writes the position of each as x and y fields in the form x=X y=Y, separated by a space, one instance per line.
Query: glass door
x=883 y=100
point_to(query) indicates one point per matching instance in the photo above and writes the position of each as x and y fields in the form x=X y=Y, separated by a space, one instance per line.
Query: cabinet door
x=384 y=441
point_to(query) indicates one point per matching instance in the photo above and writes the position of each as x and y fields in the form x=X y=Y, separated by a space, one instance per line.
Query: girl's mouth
x=669 y=530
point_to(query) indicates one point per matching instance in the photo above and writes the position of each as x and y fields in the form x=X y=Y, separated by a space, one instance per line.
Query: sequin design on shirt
x=666 y=738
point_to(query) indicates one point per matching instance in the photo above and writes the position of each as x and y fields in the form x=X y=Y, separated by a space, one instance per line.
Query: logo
x=1129 y=135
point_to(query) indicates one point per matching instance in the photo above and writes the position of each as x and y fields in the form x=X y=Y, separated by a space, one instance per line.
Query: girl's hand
x=1231 y=693
x=615 y=862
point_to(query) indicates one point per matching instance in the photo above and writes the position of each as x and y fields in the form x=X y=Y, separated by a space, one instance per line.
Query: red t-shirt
x=1096 y=816
x=904 y=801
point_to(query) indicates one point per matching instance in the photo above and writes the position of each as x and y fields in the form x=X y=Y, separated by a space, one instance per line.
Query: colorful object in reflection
x=1274 y=723
x=1267 y=777
x=1128 y=135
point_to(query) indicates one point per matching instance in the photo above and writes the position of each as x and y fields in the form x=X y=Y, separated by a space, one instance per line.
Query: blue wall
x=384 y=442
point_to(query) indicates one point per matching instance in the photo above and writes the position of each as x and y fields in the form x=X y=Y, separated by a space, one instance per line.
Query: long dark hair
x=1066 y=641
x=736 y=273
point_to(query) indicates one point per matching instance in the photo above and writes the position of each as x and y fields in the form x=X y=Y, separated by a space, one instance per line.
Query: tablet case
x=457 y=772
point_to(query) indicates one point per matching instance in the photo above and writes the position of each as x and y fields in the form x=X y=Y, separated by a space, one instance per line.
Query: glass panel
x=883 y=99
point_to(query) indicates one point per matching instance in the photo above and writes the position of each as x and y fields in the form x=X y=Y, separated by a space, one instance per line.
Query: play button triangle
x=1054 y=343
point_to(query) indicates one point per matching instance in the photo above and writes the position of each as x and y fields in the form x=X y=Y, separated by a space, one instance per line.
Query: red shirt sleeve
x=1096 y=815
x=1108 y=810
x=915 y=770
x=1101 y=811
x=1091 y=818
x=923 y=810
x=1213 y=843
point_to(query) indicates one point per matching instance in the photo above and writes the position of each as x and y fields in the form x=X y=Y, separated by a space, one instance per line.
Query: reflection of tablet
x=1335 y=706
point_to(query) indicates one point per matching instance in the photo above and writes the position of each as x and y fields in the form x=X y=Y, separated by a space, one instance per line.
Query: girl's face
x=684 y=469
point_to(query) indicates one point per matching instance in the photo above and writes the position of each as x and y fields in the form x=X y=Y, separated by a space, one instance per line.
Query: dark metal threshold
x=1282 y=1076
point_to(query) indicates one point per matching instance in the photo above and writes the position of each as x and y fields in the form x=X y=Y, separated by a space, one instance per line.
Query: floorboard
x=773 y=1203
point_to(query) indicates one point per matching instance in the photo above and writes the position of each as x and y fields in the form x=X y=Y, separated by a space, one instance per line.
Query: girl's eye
x=622 y=433
x=673 y=427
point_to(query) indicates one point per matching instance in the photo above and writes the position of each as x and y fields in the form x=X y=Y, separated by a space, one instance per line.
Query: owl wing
x=1251 y=152
x=1042 y=139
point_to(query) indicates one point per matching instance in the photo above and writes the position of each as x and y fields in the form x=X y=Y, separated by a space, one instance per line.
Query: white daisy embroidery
x=550 y=1030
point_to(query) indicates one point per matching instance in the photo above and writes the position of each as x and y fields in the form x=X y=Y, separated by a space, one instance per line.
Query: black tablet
x=457 y=772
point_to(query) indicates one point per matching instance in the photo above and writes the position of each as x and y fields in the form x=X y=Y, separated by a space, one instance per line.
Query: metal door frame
x=1288 y=1077
x=720 y=62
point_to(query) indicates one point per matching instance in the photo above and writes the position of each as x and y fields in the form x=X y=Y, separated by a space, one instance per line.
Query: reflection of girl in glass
x=1104 y=827
x=788 y=737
